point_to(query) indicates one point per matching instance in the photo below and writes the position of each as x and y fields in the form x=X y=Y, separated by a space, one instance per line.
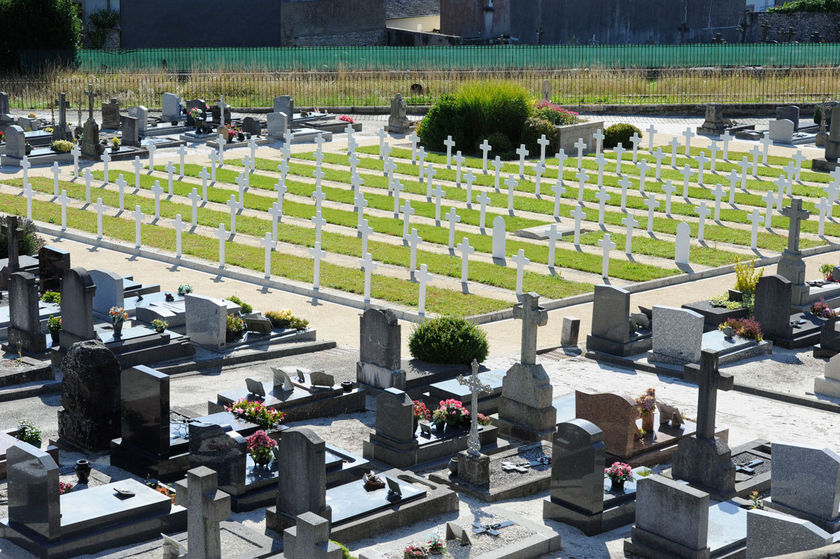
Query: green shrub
x=234 y=324
x=100 y=23
x=286 y=319
x=345 y=553
x=807 y=6
x=448 y=340
x=244 y=307
x=555 y=114
x=441 y=120
x=818 y=115
x=28 y=432
x=501 y=144
x=535 y=127
x=58 y=26
x=619 y=133
x=61 y=146
x=51 y=297
x=28 y=243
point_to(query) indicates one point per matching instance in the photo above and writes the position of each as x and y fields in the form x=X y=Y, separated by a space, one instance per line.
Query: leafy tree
x=52 y=26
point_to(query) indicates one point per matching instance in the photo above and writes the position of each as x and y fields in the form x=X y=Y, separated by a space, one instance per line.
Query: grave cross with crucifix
x=12 y=230
x=709 y=381
x=90 y=95
x=532 y=316
x=475 y=385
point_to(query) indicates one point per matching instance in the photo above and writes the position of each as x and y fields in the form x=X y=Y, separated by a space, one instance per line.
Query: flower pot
x=728 y=332
x=55 y=337
x=647 y=423
x=617 y=485
x=82 y=471
x=118 y=330
x=347 y=386
x=453 y=466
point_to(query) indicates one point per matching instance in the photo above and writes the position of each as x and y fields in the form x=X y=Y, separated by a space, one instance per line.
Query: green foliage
x=817 y=115
x=286 y=319
x=535 y=127
x=746 y=277
x=99 y=24
x=826 y=269
x=243 y=306
x=476 y=111
x=621 y=132
x=832 y=6
x=448 y=340
x=47 y=25
x=28 y=243
x=234 y=324
x=51 y=297
x=501 y=144
x=555 y=114
x=345 y=553
x=28 y=432
x=61 y=146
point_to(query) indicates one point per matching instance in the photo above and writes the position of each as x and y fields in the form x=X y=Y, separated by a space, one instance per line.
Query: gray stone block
x=570 y=331
x=770 y=534
x=806 y=479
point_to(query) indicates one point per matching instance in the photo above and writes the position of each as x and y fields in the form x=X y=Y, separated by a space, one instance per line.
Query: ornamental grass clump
x=448 y=340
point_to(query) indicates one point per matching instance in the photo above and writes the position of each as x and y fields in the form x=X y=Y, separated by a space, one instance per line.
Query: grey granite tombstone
x=286 y=105
x=144 y=396
x=90 y=396
x=15 y=142
x=206 y=507
x=61 y=131
x=770 y=534
x=379 y=350
x=4 y=103
x=53 y=263
x=206 y=320
x=395 y=416
x=789 y=112
x=677 y=335
x=832 y=144
x=302 y=479
x=141 y=113
x=310 y=539
x=25 y=323
x=109 y=291
x=252 y=126
x=219 y=448
x=577 y=474
x=170 y=107
x=111 y=114
x=672 y=520
x=276 y=125
x=772 y=306
x=32 y=481
x=130 y=131
x=570 y=331
x=781 y=130
x=715 y=122
x=77 y=292
x=398 y=122
x=805 y=482
x=611 y=332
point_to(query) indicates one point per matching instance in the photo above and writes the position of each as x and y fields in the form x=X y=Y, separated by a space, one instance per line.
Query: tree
x=50 y=26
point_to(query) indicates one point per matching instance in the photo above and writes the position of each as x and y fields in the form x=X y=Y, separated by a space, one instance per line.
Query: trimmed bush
x=555 y=114
x=448 y=340
x=61 y=146
x=501 y=144
x=441 y=120
x=532 y=130
x=244 y=307
x=619 y=133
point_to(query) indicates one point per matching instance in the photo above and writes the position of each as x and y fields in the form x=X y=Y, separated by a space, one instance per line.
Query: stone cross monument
x=475 y=385
x=91 y=148
x=791 y=266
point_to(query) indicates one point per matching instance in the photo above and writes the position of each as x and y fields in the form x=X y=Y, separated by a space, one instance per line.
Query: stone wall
x=803 y=24
x=332 y=22
x=470 y=20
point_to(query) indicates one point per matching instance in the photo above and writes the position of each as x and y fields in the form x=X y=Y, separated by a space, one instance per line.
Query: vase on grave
x=647 y=422
x=118 y=330
x=453 y=466
x=617 y=485
x=82 y=471
x=55 y=336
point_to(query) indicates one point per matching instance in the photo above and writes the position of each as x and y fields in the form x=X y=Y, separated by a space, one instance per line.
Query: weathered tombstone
x=219 y=448
x=310 y=539
x=772 y=306
x=91 y=148
x=252 y=126
x=4 y=103
x=25 y=324
x=302 y=479
x=770 y=534
x=677 y=335
x=90 y=396
x=61 y=131
x=206 y=506
x=525 y=407
x=286 y=105
x=32 y=482
x=15 y=142
x=789 y=112
x=130 y=131
x=392 y=441
x=704 y=459
x=379 y=350
x=614 y=414
x=109 y=291
x=144 y=396
x=111 y=114
x=206 y=320
x=781 y=131
x=611 y=329
x=141 y=113
x=277 y=124
x=715 y=122
x=12 y=232
x=398 y=122
x=77 y=292
x=53 y=263
x=171 y=107
x=805 y=482
x=570 y=332
x=672 y=520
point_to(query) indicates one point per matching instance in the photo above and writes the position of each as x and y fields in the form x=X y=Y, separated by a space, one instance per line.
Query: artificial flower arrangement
x=256 y=412
x=260 y=447
x=451 y=412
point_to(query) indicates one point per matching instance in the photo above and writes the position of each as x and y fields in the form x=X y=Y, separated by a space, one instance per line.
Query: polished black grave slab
x=352 y=500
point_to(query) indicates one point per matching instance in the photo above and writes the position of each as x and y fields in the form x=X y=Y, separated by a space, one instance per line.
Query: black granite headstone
x=52 y=264
x=577 y=466
x=250 y=125
x=221 y=449
x=772 y=306
x=144 y=393
x=789 y=112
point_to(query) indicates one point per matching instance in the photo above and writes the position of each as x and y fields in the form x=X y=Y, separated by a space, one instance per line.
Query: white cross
x=281 y=192
x=121 y=184
x=703 y=213
x=213 y=159
x=220 y=152
x=413 y=241
x=356 y=181
x=364 y=230
x=88 y=177
x=552 y=235
x=603 y=197
x=635 y=139
x=438 y=193
x=246 y=164
x=824 y=207
x=769 y=199
x=561 y=163
x=413 y=138
x=482 y=199
x=651 y=131
x=624 y=182
x=600 y=160
x=745 y=165
x=497 y=165
x=781 y=184
x=105 y=158
x=351 y=142
x=423 y=277
x=252 y=145
x=539 y=168
x=453 y=218
x=138 y=222
x=629 y=221
x=799 y=159
x=832 y=190
x=598 y=136
x=382 y=135
x=195 y=198
x=157 y=190
x=288 y=137
x=152 y=150
x=317 y=255
x=607 y=245
x=459 y=160
x=407 y=211
x=718 y=196
x=319 y=196
x=511 y=183
x=398 y=187
x=658 y=155
x=713 y=158
x=319 y=157
x=790 y=169
x=430 y=175
x=580 y=146
x=241 y=182
x=521 y=261
x=688 y=134
x=756 y=153
x=421 y=157
x=388 y=168
x=733 y=179
x=578 y=214
x=221 y=234
x=755 y=219
x=485 y=149
x=619 y=152
x=204 y=175
x=469 y=178
x=276 y=213
x=283 y=167
x=668 y=189
x=559 y=190
x=170 y=170
x=544 y=143
x=449 y=143
x=726 y=138
x=76 y=152
x=675 y=144
x=234 y=206
x=686 y=173
x=465 y=250
x=522 y=152
x=27 y=192
x=269 y=245
x=652 y=203
x=179 y=226
x=55 y=171
x=701 y=162
x=643 y=169
x=766 y=142
x=182 y=153
x=582 y=177
x=369 y=266
x=63 y=199
x=319 y=222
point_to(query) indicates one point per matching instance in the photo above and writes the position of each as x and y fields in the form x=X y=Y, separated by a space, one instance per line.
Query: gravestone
x=302 y=479
x=171 y=107
x=805 y=482
x=781 y=131
x=109 y=291
x=715 y=122
x=770 y=534
x=277 y=123
x=789 y=112
x=677 y=335
x=398 y=122
x=286 y=105
x=672 y=520
x=53 y=263
x=525 y=407
x=141 y=113
x=196 y=104
x=25 y=324
x=379 y=353
x=219 y=448
x=611 y=329
x=4 y=103
x=832 y=146
x=90 y=396
x=310 y=539
x=252 y=126
x=13 y=233
x=570 y=331
x=393 y=441
x=130 y=131
x=91 y=148
x=829 y=383
x=32 y=482
x=206 y=320
x=144 y=397
x=15 y=142
x=206 y=506
x=111 y=114
x=704 y=459
x=772 y=306
x=77 y=292
x=499 y=238
x=614 y=414
x=61 y=131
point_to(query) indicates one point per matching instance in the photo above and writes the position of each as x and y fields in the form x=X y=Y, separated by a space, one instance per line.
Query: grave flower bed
x=451 y=413
x=256 y=412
